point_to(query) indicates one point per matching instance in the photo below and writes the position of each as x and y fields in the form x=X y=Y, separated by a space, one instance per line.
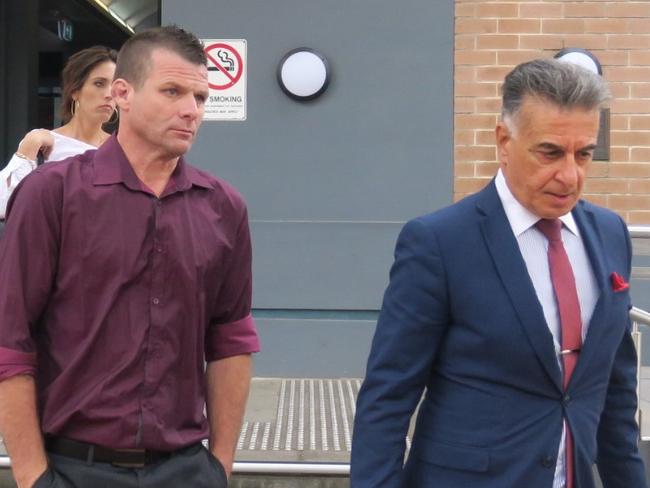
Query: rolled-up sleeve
x=232 y=339
x=28 y=250
x=232 y=329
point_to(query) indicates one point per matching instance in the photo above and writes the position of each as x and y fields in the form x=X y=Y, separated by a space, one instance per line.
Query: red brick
x=463 y=137
x=597 y=169
x=630 y=138
x=628 y=9
x=640 y=122
x=613 y=58
x=619 y=122
x=584 y=9
x=498 y=10
x=563 y=26
x=638 y=217
x=640 y=186
x=464 y=170
x=465 y=10
x=475 y=121
x=639 y=58
x=619 y=90
x=488 y=106
x=464 y=105
x=605 y=185
x=641 y=106
x=513 y=58
x=640 y=154
x=628 y=202
x=519 y=26
x=638 y=26
x=630 y=170
x=540 y=41
x=631 y=41
x=464 y=41
x=487 y=169
x=497 y=41
x=475 y=57
x=484 y=138
x=464 y=73
x=474 y=153
x=631 y=73
x=619 y=154
x=476 y=26
x=640 y=91
x=492 y=73
x=541 y=10
x=470 y=89
x=606 y=26
x=585 y=41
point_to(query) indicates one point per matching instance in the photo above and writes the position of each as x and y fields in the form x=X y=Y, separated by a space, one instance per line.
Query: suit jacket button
x=566 y=399
x=548 y=461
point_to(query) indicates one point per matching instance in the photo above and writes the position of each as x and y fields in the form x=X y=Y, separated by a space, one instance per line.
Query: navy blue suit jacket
x=460 y=318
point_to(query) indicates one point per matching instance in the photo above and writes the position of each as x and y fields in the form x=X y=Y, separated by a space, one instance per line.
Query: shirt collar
x=520 y=218
x=111 y=166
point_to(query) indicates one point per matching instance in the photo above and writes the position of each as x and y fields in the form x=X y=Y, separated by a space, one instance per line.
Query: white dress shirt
x=533 y=247
x=17 y=168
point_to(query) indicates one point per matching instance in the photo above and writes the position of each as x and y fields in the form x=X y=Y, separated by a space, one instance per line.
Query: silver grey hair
x=563 y=84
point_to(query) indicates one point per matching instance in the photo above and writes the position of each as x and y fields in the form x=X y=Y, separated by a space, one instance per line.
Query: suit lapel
x=512 y=271
x=592 y=241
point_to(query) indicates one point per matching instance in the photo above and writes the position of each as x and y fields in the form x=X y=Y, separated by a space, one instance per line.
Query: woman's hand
x=35 y=141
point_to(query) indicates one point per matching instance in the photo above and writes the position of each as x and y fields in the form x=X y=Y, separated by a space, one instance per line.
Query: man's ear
x=503 y=137
x=121 y=92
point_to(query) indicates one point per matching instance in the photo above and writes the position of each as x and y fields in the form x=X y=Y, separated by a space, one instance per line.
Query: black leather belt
x=91 y=453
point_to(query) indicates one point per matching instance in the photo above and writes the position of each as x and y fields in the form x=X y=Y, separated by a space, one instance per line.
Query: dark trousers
x=191 y=467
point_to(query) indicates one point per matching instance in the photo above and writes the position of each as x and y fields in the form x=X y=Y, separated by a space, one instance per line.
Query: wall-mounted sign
x=65 y=30
x=227 y=72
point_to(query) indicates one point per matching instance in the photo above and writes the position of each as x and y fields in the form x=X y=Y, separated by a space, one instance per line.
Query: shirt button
x=548 y=461
x=155 y=301
x=159 y=249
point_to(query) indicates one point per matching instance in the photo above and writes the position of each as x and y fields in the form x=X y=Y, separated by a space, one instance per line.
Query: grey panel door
x=330 y=182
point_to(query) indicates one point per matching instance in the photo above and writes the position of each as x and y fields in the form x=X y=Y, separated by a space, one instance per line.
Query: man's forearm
x=20 y=429
x=228 y=383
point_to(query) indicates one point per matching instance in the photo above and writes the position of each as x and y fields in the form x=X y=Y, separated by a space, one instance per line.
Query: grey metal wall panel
x=376 y=147
x=312 y=348
x=317 y=265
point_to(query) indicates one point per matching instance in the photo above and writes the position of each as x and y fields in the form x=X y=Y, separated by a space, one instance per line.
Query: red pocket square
x=618 y=282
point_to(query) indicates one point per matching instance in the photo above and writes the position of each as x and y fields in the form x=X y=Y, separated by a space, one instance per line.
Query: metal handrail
x=243 y=467
x=638 y=317
x=639 y=231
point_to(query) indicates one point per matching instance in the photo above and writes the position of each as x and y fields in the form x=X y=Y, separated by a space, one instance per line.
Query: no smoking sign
x=226 y=79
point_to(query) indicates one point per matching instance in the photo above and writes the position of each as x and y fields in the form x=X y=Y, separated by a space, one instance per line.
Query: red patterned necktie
x=566 y=296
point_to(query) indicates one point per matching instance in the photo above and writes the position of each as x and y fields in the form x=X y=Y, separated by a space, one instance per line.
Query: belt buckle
x=134 y=464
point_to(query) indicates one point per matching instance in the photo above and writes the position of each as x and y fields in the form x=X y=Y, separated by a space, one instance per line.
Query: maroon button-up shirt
x=113 y=298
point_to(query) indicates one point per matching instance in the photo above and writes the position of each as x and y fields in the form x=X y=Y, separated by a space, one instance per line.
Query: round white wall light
x=303 y=74
x=581 y=57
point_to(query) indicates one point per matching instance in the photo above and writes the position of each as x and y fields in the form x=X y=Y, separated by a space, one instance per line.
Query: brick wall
x=493 y=36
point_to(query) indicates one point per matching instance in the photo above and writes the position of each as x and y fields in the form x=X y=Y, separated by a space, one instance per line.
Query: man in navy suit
x=509 y=309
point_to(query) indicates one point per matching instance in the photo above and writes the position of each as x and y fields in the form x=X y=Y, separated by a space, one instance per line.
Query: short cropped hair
x=76 y=72
x=134 y=59
x=566 y=85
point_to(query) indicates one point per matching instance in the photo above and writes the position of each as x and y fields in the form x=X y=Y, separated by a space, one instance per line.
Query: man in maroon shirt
x=124 y=270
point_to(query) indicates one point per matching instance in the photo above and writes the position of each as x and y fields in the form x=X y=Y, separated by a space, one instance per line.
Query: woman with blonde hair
x=86 y=105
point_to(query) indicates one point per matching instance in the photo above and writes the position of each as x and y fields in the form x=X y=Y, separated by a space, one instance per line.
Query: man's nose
x=190 y=107
x=569 y=172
